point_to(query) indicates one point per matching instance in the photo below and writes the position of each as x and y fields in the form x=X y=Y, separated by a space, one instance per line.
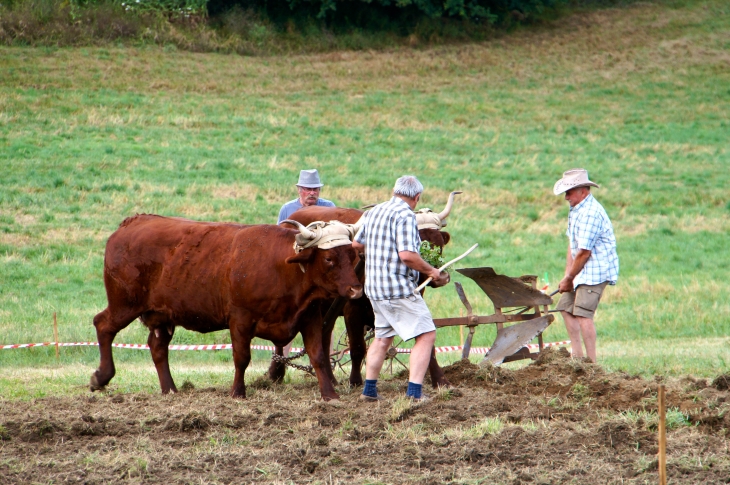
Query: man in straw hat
x=389 y=236
x=591 y=262
x=309 y=187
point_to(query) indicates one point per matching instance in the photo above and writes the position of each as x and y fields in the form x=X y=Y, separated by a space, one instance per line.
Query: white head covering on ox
x=428 y=219
x=324 y=235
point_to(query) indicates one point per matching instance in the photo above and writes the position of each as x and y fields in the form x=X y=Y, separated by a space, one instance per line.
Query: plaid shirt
x=389 y=228
x=589 y=228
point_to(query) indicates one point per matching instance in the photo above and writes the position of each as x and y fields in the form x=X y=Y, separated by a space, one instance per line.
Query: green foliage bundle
x=432 y=254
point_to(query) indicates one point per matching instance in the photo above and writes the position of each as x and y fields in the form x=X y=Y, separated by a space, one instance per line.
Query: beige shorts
x=583 y=301
x=406 y=317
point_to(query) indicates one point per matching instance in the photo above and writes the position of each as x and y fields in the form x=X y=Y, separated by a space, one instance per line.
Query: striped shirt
x=590 y=228
x=294 y=205
x=389 y=228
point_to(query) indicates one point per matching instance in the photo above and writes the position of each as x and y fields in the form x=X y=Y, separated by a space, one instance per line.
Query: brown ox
x=358 y=313
x=213 y=276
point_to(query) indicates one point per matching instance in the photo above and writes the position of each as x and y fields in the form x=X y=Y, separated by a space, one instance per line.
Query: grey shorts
x=406 y=317
x=583 y=301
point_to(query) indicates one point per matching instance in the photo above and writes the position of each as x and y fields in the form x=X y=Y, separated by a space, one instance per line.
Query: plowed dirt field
x=554 y=421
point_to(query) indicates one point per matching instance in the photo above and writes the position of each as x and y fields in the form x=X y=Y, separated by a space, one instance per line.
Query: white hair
x=408 y=186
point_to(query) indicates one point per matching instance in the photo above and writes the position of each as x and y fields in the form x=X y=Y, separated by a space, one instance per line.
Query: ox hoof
x=94 y=384
x=443 y=384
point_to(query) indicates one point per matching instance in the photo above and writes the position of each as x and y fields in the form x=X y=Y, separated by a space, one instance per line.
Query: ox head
x=325 y=250
x=431 y=224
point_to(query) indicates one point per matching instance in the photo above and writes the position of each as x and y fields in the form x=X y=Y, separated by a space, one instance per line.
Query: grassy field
x=639 y=96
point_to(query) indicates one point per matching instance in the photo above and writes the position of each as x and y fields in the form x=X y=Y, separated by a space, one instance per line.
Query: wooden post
x=662 y=459
x=55 y=333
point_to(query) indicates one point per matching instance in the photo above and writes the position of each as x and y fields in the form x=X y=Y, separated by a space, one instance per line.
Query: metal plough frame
x=519 y=294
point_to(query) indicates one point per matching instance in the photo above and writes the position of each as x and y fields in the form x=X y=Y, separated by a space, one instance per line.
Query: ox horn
x=447 y=210
x=303 y=230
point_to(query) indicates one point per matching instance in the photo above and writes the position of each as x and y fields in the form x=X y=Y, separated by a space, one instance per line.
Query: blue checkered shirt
x=389 y=228
x=590 y=228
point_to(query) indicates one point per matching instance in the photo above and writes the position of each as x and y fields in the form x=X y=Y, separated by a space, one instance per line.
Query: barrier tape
x=453 y=348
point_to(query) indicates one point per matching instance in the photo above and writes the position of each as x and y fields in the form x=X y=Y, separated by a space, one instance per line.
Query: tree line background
x=269 y=26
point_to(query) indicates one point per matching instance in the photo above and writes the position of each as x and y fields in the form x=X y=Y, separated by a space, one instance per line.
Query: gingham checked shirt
x=389 y=228
x=590 y=228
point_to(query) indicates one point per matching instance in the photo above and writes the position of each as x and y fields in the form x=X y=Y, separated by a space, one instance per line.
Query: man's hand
x=439 y=278
x=566 y=284
x=572 y=268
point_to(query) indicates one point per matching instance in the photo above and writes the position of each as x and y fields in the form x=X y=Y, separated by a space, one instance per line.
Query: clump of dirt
x=556 y=420
x=722 y=383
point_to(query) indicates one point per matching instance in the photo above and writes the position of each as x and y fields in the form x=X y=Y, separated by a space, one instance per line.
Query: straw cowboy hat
x=577 y=177
x=309 y=179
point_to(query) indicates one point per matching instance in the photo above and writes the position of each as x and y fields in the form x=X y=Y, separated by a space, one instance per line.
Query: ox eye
x=328 y=260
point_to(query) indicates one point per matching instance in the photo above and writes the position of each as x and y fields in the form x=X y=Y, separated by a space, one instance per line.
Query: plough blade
x=511 y=339
x=505 y=291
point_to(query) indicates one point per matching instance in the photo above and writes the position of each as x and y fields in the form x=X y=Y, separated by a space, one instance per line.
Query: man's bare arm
x=573 y=267
x=414 y=261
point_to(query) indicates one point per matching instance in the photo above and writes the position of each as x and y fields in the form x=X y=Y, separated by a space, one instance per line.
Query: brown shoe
x=365 y=398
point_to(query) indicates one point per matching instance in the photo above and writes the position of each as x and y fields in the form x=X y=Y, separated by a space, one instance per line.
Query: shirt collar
x=582 y=203
x=399 y=201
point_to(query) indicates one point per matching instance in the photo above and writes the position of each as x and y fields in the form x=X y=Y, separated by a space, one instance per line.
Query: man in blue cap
x=309 y=187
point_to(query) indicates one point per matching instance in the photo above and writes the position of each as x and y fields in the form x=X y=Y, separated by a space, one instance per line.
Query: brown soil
x=564 y=421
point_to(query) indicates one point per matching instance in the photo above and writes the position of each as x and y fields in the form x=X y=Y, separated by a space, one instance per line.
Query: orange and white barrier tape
x=453 y=348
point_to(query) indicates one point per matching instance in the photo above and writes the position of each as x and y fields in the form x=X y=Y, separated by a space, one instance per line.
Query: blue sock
x=414 y=390
x=371 y=388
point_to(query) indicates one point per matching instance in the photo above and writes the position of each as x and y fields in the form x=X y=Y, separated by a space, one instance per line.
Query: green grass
x=89 y=136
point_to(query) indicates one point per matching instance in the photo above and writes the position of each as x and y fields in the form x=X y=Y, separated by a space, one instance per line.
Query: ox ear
x=446 y=236
x=303 y=256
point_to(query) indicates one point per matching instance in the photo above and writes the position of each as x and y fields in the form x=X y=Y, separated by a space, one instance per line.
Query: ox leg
x=327 y=347
x=438 y=379
x=277 y=370
x=242 y=332
x=107 y=327
x=319 y=358
x=159 y=342
x=358 y=315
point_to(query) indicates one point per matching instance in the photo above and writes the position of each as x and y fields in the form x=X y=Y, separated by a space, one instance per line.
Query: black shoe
x=365 y=398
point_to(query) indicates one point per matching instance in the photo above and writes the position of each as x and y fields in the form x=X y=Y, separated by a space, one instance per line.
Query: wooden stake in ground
x=662 y=438
x=55 y=333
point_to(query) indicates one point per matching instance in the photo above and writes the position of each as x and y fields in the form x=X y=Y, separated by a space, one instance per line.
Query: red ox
x=358 y=313
x=206 y=276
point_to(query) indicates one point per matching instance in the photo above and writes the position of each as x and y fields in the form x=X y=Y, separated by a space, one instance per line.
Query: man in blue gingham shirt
x=591 y=261
x=389 y=236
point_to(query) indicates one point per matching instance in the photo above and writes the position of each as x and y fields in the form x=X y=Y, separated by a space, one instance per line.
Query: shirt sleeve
x=361 y=235
x=406 y=233
x=588 y=229
x=282 y=214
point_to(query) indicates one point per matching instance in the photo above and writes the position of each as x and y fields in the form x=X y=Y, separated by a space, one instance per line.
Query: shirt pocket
x=588 y=299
